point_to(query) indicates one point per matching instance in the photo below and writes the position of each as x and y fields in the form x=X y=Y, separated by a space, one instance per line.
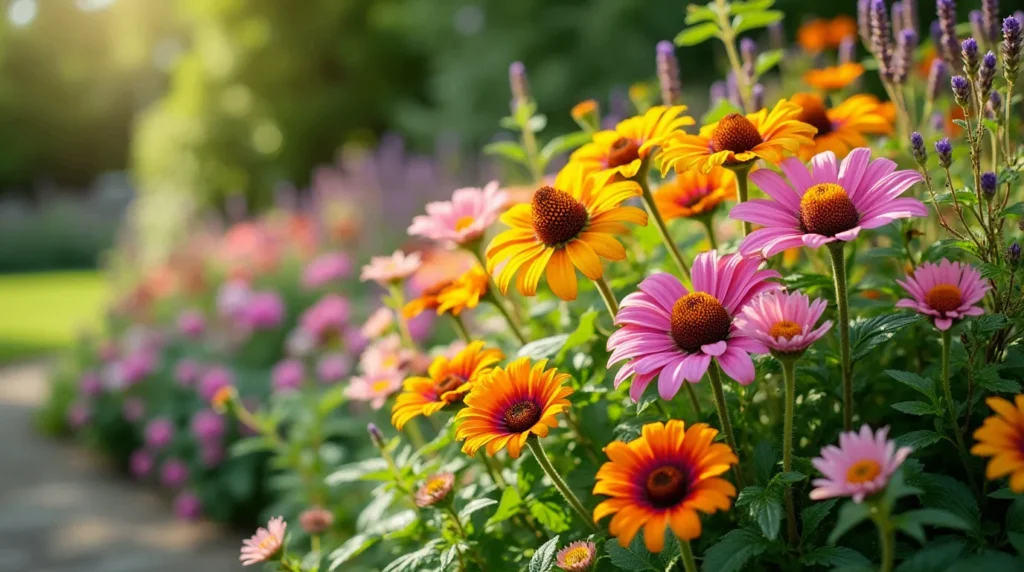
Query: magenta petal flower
x=325 y=269
x=464 y=218
x=672 y=333
x=265 y=544
x=860 y=466
x=328 y=317
x=386 y=270
x=945 y=291
x=287 y=376
x=784 y=321
x=831 y=202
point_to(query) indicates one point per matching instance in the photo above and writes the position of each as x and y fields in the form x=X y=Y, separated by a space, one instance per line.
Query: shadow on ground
x=63 y=510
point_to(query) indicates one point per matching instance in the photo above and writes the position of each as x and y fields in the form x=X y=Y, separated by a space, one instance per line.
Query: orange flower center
x=623 y=152
x=863 y=471
x=463 y=223
x=698 y=319
x=666 y=486
x=557 y=216
x=435 y=486
x=577 y=555
x=827 y=210
x=522 y=416
x=944 y=297
x=450 y=382
x=735 y=133
x=784 y=329
x=815 y=114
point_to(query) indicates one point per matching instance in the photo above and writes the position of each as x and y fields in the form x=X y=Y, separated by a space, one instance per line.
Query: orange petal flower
x=1002 y=438
x=842 y=128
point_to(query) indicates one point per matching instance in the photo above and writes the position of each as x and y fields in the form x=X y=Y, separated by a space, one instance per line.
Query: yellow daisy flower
x=624 y=148
x=465 y=292
x=1002 y=438
x=842 y=128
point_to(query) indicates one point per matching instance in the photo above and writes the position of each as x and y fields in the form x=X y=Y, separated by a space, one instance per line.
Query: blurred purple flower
x=90 y=384
x=421 y=326
x=191 y=323
x=325 y=269
x=134 y=368
x=287 y=375
x=207 y=426
x=173 y=473
x=215 y=378
x=187 y=372
x=187 y=506
x=133 y=409
x=141 y=463
x=159 y=433
x=332 y=368
x=329 y=316
x=262 y=311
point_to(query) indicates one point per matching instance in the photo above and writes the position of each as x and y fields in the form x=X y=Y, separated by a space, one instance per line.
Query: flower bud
x=944 y=149
x=748 y=53
x=881 y=39
x=587 y=114
x=1013 y=38
x=990 y=21
x=988 y=185
x=994 y=106
x=316 y=520
x=936 y=77
x=718 y=92
x=518 y=83
x=986 y=75
x=1013 y=254
x=847 y=50
x=961 y=90
x=375 y=435
x=757 y=96
x=969 y=54
x=917 y=147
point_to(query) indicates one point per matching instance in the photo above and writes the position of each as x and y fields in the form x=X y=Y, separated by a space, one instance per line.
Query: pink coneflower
x=860 y=466
x=378 y=323
x=262 y=311
x=673 y=333
x=327 y=319
x=186 y=372
x=207 y=426
x=325 y=269
x=332 y=368
x=464 y=218
x=577 y=556
x=173 y=473
x=187 y=506
x=133 y=409
x=945 y=291
x=287 y=375
x=212 y=380
x=191 y=323
x=784 y=321
x=387 y=270
x=435 y=489
x=386 y=355
x=141 y=463
x=831 y=203
x=159 y=433
x=374 y=387
x=265 y=544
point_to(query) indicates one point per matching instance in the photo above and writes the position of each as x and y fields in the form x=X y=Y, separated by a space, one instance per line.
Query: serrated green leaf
x=733 y=551
x=475 y=505
x=933 y=557
x=920 y=384
x=417 y=560
x=544 y=557
x=509 y=150
x=448 y=557
x=1015 y=210
x=508 y=506
x=356 y=471
x=551 y=516
x=834 y=556
x=915 y=408
x=767 y=60
x=696 y=34
x=765 y=460
x=583 y=333
x=950 y=494
x=866 y=334
x=812 y=516
x=634 y=557
x=918 y=440
x=351 y=548
x=543 y=348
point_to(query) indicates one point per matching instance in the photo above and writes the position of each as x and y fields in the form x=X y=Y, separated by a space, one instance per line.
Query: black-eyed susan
x=624 y=148
x=427 y=300
x=568 y=226
x=664 y=478
x=834 y=78
x=463 y=293
x=842 y=128
x=511 y=404
x=738 y=140
x=447 y=382
x=692 y=194
x=1002 y=438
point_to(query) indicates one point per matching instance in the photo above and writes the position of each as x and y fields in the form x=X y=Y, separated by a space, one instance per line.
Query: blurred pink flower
x=262 y=311
x=108 y=351
x=577 y=556
x=386 y=270
x=187 y=506
x=325 y=269
x=79 y=415
x=860 y=466
x=207 y=426
x=287 y=375
x=327 y=318
x=784 y=321
x=945 y=292
x=212 y=454
x=191 y=323
x=374 y=387
x=386 y=355
x=159 y=432
x=173 y=473
x=134 y=367
x=90 y=384
x=213 y=379
x=378 y=323
x=464 y=218
x=265 y=544
x=332 y=368
x=141 y=463
x=133 y=409
x=232 y=297
x=186 y=372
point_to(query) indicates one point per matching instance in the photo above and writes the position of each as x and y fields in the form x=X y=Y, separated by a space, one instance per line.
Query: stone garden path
x=63 y=510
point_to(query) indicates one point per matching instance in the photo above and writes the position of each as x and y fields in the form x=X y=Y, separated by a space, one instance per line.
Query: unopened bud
x=961 y=90
x=917 y=147
x=316 y=520
x=988 y=185
x=944 y=149
x=375 y=435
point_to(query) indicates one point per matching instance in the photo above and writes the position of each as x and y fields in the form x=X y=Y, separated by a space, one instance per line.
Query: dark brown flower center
x=735 y=133
x=557 y=216
x=815 y=114
x=450 y=382
x=784 y=329
x=521 y=416
x=666 y=486
x=944 y=297
x=623 y=152
x=827 y=210
x=698 y=319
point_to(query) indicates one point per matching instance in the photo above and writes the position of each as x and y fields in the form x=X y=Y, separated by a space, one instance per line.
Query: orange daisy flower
x=505 y=408
x=1002 y=438
x=427 y=300
x=447 y=382
x=817 y=35
x=465 y=292
x=738 y=139
x=664 y=477
x=842 y=128
x=623 y=149
x=570 y=225
x=834 y=78
x=694 y=194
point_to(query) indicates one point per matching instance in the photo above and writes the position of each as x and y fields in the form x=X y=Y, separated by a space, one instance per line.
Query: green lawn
x=47 y=311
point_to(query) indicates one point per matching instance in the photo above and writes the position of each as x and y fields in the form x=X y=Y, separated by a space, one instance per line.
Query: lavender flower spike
x=961 y=90
x=986 y=74
x=990 y=21
x=668 y=73
x=1013 y=38
x=969 y=53
x=881 y=40
x=948 y=43
x=903 y=58
x=936 y=77
x=864 y=22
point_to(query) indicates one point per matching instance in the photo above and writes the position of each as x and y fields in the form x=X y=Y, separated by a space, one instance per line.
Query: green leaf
x=918 y=440
x=850 y=515
x=331 y=399
x=920 y=384
x=765 y=460
x=721 y=109
x=697 y=34
x=915 y=408
x=563 y=143
x=834 y=556
x=415 y=561
x=812 y=516
x=1003 y=493
x=865 y=335
x=961 y=123
x=767 y=60
x=508 y=149
x=508 y=506
x=351 y=548
x=634 y=557
x=543 y=348
x=552 y=516
x=448 y=557
x=1015 y=524
x=991 y=561
x=475 y=505
x=544 y=557
x=1016 y=209
x=754 y=20
x=732 y=551
x=250 y=445
x=583 y=333
x=751 y=6
x=912 y=522
x=696 y=13
x=950 y=494
x=356 y=471
x=934 y=556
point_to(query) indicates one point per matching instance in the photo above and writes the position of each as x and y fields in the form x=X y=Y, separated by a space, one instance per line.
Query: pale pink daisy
x=832 y=202
x=860 y=466
x=463 y=219
x=945 y=291
x=378 y=323
x=374 y=387
x=577 y=556
x=265 y=544
x=327 y=319
x=784 y=321
x=386 y=355
x=387 y=270
x=673 y=333
x=325 y=269
x=435 y=489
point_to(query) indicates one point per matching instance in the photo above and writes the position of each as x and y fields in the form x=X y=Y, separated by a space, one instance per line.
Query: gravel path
x=63 y=510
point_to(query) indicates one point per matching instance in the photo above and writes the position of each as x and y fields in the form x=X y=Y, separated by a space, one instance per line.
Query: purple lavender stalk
x=948 y=44
x=668 y=73
x=881 y=39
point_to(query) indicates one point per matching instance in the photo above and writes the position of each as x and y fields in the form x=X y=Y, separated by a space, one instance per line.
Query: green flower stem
x=742 y=170
x=835 y=249
x=947 y=343
x=709 y=226
x=460 y=327
x=398 y=299
x=494 y=296
x=661 y=409
x=886 y=536
x=789 y=373
x=693 y=398
x=608 y=296
x=542 y=459
x=689 y=564
x=723 y=416
x=495 y=472
x=728 y=37
x=450 y=510
x=659 y=223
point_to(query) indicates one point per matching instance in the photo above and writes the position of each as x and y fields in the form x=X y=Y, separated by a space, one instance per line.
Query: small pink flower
x=577 y=556
x=232 y=297
x=187 y=506
x=213 y=379
x=79 y=415
x=831 y=202
x=386 y=355
x=374 y=387
x=332 y=368
x=159 y=433
x=207 y=426
x=134 y=368
x=435 y=489
x=186 y=372
x=860 y=466
x=262 y=311
x=325 y=269
x=378 y=323
x=326 y=319
x=946 y=291
x=133 y=409
x=672 y=333
x=212 y=455
x=265 y=544
x=173 y=473
x=287 y=375
x=90 y=384
x=141 y=463
x=316 y=520
x=191 y=323
x=464 y=218
x=386 y=270
x=784 y=321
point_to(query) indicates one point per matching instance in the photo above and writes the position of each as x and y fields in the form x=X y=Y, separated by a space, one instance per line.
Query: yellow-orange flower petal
x=1001 y=437
x=819 y=34
x=623 y=149
x=834 y=78
x=694 y=194
x=842 y=128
